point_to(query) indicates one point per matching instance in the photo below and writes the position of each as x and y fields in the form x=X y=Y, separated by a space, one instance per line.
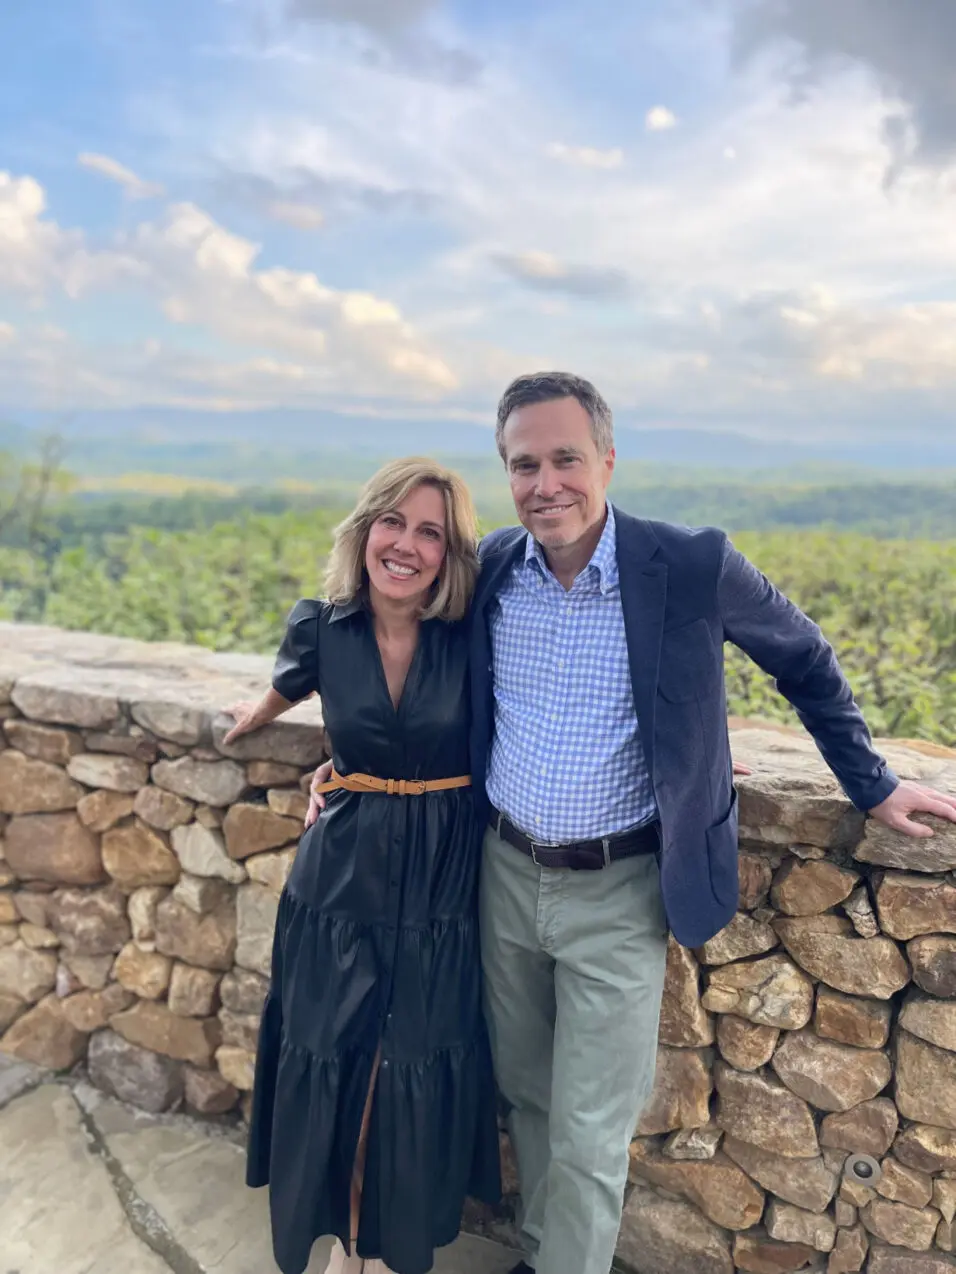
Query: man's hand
x=913 y=798
x=317 y=799
x=742 y=769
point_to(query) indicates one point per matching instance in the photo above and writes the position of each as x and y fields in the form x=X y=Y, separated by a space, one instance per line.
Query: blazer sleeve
x=296 y=671
x=788 y=645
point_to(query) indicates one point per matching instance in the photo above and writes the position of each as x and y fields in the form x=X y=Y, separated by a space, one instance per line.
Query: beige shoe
x=377 y=1267
x=341 y=1262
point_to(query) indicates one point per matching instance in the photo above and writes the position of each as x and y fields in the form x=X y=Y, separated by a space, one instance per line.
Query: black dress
x=376 y=944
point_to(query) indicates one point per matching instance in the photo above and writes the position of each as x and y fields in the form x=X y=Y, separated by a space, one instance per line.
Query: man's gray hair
x=546 y=387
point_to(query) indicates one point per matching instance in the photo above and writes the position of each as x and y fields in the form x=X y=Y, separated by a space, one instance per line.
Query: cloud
x=658 y=119
x=133 y=187
x=301 y=216
x=36 y=255
x=586 y=156
x=203 y=276
x=798 y=360
x=910 y=48
x=298 y=195
x=206 y=276
x=545 y=272
x=401 y=39
x=381 y=16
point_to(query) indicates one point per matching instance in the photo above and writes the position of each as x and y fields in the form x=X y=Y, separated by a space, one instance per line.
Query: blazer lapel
x=643 y=595
x=494 y=571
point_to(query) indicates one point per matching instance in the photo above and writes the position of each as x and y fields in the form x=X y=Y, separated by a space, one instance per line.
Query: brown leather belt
x=582 y=855
x=393 y=787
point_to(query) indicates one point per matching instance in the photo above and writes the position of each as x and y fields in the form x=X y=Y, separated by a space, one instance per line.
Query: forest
x=222 y=571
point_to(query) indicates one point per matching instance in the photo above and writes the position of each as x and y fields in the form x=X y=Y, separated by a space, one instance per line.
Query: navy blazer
x=684 y=593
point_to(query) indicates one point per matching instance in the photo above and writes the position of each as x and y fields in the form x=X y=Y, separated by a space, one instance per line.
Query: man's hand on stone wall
x=913 y=798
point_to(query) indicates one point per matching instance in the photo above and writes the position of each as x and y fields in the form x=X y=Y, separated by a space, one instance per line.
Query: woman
x=374 y=1109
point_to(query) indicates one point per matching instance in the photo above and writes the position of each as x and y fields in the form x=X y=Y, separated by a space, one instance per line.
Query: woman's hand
x=317 y=799
x=742 y=769
x=245 y=714
x=253 y=716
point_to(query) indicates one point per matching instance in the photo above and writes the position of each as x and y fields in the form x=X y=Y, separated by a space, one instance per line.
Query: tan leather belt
x=393 y=787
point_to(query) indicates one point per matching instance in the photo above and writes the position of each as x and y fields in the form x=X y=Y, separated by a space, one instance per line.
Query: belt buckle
x=534 y=857
x=415 y=787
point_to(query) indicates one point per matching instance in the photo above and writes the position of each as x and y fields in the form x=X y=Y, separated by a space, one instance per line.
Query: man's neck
x=567 y=562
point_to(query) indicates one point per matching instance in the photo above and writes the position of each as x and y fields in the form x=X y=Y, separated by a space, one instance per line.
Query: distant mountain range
x=261 y=446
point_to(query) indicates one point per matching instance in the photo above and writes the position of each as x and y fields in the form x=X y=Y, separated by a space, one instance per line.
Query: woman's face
x=406 y=546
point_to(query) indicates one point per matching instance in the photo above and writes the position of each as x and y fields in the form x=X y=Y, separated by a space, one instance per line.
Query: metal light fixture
x=863 y=1169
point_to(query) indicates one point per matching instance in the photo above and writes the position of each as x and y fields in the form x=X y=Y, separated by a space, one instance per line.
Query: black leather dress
x=376 y=945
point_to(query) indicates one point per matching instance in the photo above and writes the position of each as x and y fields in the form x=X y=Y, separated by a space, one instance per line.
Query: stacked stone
x=141 y=862
x=140 y=866
x=818 y=1027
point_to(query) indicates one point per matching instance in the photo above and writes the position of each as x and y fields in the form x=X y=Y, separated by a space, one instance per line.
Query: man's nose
x=548 y=481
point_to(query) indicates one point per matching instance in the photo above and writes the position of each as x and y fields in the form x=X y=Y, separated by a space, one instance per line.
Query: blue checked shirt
x=566 y=761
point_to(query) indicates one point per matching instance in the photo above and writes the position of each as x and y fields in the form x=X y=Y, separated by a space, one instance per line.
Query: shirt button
x=537 y=818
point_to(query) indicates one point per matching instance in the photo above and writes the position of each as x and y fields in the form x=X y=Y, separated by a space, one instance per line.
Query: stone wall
x=811 y=1042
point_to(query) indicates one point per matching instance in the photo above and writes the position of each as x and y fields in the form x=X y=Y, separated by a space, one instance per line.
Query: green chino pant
x=573 y=975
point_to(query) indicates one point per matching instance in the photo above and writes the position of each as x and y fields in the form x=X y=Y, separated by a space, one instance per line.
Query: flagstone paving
x=90 y=1186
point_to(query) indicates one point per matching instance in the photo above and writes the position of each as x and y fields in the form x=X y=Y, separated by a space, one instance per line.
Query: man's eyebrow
x=559 y=453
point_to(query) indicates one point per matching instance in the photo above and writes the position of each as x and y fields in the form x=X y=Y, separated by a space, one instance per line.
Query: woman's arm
x=253 y=716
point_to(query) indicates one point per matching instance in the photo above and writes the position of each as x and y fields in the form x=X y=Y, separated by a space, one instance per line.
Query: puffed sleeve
x=296 y=672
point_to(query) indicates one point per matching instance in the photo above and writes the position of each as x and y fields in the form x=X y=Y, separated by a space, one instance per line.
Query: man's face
x=558 y=478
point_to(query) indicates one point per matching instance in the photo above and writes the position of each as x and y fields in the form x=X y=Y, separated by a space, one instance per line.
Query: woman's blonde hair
x=345 y=575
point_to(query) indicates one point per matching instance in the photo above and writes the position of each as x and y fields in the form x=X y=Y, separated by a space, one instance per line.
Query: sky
x=729 y=214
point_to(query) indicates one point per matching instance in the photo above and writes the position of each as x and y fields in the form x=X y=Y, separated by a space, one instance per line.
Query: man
x=601 y=755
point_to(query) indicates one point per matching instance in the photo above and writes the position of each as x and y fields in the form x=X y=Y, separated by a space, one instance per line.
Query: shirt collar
x=603 y=559
x=342 y=610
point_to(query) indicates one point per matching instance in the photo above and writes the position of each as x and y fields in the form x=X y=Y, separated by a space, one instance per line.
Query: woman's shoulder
x=305 y=611
x=308 y=610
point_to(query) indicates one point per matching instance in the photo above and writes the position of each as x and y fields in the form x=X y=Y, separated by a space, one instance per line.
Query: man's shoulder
x=503 y=539
x=672 y=538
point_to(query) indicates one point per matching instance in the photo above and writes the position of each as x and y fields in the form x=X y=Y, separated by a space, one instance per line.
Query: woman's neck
x=394 y=620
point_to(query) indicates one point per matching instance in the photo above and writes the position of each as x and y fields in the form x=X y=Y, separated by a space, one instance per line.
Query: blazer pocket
x=690 y=668
x=722 y=856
